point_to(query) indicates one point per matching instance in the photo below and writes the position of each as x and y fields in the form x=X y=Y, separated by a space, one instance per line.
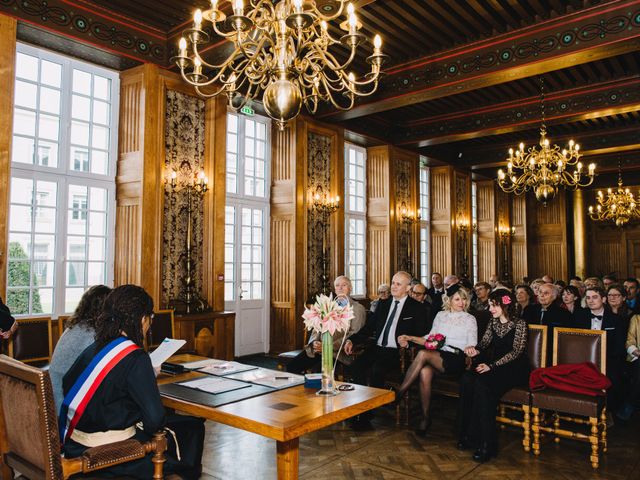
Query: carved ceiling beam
x=603 y=31
x=593 y=101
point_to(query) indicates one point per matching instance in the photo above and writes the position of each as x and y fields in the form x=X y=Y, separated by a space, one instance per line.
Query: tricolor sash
x=76 y=400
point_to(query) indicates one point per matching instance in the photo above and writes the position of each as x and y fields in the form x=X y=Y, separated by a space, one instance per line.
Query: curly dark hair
x=506 y=301
x=123 y=311
x=90 y=307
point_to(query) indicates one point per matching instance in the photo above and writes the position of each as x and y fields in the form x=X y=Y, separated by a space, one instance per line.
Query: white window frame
x=63 y=175
x=424 y=177
x=352 y=213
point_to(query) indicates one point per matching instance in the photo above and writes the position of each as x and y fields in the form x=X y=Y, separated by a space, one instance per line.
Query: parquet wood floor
x=396 y=453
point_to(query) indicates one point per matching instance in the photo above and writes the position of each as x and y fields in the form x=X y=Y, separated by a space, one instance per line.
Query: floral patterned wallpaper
x=184 y=154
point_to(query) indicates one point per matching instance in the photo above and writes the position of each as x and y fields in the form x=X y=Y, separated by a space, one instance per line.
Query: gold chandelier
x=619 y=206
x=546 y=169
x=281 y=49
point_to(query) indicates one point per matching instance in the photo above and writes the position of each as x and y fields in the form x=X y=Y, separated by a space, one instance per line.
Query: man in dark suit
x=597 y=316
x=8 y=324
x=398 y=315
x=419 y=293
x=633 y=302
x=435 y=292
x=548 y=312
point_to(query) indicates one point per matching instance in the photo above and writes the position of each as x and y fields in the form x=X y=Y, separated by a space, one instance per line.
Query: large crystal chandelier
x=281 y=48
x=619 y=205
x=546 y=169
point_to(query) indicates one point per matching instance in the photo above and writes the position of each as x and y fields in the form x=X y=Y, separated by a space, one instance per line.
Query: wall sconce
x=407 y=215
x=505 y=234
x=195 y=185
x=322 y=205
x=462 y=227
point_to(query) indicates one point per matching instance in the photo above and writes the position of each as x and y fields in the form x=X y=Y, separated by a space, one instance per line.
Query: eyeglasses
x=614 y=295
x=346 y=387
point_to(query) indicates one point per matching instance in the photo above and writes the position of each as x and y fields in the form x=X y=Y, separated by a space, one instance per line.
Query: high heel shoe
x=399 y=394
x=423 y=426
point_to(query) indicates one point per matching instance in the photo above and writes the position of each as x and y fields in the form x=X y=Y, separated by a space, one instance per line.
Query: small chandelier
x=546 y=169
x=619 y=206
x=282 y=52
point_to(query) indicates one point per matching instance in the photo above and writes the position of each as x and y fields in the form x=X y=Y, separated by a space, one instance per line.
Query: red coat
x=584 y=378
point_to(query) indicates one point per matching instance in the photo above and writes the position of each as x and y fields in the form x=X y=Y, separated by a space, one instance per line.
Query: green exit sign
x=248 y=111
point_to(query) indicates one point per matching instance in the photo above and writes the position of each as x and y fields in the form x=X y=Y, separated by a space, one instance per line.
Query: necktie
x=387 y=327
x=542 y=311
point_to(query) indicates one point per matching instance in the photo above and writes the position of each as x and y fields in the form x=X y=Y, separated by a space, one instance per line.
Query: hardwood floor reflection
x=393 y=453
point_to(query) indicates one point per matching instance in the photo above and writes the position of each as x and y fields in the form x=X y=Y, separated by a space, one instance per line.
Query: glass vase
x=328 y=384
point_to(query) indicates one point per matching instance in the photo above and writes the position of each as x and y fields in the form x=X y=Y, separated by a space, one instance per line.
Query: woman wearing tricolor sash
x=111 y=393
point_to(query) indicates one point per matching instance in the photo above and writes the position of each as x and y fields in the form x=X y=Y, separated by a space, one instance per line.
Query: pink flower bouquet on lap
x=435 y=341
x=327 y=317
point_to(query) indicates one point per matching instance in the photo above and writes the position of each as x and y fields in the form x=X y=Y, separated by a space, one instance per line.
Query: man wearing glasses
x=419 y=293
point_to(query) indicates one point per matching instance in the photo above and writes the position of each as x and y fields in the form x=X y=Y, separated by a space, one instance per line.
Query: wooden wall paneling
x=487 y=244
x=442 y=220
x=404 y=188
x=301 y=217
x=519 y=239
x=547 y=237
x=379 y=216
x=462 y=247
x=8 y=28
x=285 y=331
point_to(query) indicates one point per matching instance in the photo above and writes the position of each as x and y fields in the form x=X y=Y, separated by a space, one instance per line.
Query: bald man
x=548 y=312
x=398 y=315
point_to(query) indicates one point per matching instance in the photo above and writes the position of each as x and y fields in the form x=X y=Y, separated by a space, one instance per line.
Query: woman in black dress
x=129 y=394
x=493 y=375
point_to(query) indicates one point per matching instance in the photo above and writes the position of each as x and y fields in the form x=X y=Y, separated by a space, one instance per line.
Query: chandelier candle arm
x=281 y=50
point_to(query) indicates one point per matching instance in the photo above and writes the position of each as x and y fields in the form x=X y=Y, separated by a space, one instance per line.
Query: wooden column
x=139 y=186
x=547 y=237
x=579 y=233
x=8 y=27
x=487 y=230
x=451 y=249
x=519 y=238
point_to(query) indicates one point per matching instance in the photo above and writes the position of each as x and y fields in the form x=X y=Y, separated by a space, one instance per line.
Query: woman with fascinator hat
x=500 y=363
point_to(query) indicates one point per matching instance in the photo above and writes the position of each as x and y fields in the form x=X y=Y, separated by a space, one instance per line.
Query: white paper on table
x=225 y=368
x=168 y=347
x=214 y=384
x=200 y=363
x=269 y=378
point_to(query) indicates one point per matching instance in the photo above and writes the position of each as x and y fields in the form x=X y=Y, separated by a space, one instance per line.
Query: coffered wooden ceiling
x=462 y=81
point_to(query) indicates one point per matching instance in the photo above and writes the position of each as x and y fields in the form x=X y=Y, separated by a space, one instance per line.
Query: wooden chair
x=29 y=441
x=574 y=346
x=163 y=327
x=519 y=398
x=285 y=358
x=33 y=341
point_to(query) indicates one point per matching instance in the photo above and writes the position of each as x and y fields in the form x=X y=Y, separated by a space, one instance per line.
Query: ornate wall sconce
x=408 y=217
x=462 y=229
x=322 y=205
x=194 y=185
x=505 y=234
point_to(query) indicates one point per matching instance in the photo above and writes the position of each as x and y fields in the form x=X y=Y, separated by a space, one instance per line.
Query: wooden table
x=283 y=415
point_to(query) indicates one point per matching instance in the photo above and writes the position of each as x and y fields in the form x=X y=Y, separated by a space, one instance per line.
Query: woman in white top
x=460 y=330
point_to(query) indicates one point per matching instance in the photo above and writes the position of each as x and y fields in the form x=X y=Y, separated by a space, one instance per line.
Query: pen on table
x=282 y=378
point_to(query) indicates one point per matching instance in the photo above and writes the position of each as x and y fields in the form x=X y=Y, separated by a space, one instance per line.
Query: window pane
x=43 y=273
x=20 y=218
x=19 y=245
x=45 y=220
x=27 y=67
x=101 y=112
x=21 y=190
x=18 y=272
x=26 y=94
x=81 y=108
x=44 y=247
x=101 y=87
x=50 y=100
x=22 y=149
x=97 y=223
x=76 y=248
x=72 y=298
x=99 y=162
x=48 y=127
x=80 y=133
x=97 y=250
x=100 y=137
x=18 y=301
x=98 y=199
x=24 y=122
x=42 y=300
x=75 y=274
x=51 y=73
x=81 y=82
x=46 y=193
x=96 y=274
x=79 y=159
x=47 y=154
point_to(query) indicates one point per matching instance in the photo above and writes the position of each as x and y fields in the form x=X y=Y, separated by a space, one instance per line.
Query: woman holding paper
x=115 y=379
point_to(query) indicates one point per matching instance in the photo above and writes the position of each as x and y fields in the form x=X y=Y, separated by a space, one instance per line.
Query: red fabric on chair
x=583 y=378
